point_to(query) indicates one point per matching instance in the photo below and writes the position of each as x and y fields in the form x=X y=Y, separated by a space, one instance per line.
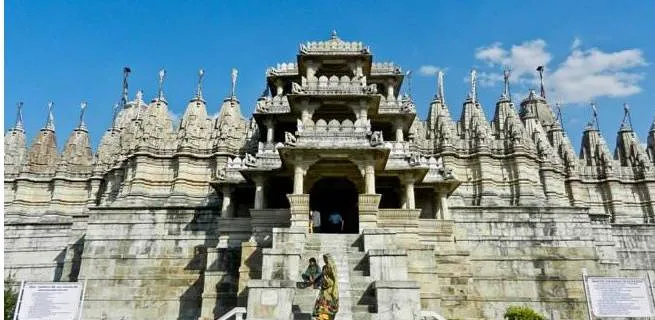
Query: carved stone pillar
x=398 y=128
x=298 y=177
x=299 y=209
x=409 y=192
x=369 y=176
x=368 y=211
x=269 y=130
x=226 y=209
x=279 y=87
x=259 y=191
x=443 y=212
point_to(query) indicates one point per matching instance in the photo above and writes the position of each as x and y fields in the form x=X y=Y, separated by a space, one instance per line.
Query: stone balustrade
x=283 y=69
x=277 y=104
x=398 y=105
x=334 y=85
x=334 y=133
x=385 y=68
x=333 y=46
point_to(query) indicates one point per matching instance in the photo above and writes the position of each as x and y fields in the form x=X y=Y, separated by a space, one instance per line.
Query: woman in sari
x=327 y=302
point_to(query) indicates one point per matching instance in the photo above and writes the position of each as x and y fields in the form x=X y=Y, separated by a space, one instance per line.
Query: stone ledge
x=271 y=284
x=382 y=284
x=387 y=252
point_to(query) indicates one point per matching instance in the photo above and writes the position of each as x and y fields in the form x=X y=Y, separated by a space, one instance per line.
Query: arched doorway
x=336 y=194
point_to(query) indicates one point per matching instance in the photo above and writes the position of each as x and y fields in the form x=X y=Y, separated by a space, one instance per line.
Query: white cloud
x=429 y=70
x=582 y=76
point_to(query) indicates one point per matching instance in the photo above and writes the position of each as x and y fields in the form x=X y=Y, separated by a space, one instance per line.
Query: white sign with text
x=50 y=301
x=620 y=297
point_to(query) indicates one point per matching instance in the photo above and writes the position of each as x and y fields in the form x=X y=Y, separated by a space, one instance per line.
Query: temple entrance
x=335 y=195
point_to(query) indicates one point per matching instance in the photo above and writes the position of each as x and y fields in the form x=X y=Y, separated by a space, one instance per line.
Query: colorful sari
x=327 y=302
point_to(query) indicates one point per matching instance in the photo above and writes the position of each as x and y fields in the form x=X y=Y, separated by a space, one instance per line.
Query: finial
x=201 y=73
x=139 y=100
x=506 y=73
x=139 y=95
x=440 y=89
x=626 y=116
x=235 y=72
x=124 y=97
x=334 y=34
x=19 y=117
x=82 y=111
x=594 y=120
x=50 y=124
x=162 y=74
x=540 y=69
x=474 y=85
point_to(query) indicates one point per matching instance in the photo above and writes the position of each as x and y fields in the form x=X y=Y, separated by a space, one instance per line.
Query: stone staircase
x=356 y=299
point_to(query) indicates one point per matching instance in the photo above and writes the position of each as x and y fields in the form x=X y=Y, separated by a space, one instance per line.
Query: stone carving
x=376 y=138
x=296 y=88
x=250 y=160
x=415 y=159
x=289 y=139
x=222 y=174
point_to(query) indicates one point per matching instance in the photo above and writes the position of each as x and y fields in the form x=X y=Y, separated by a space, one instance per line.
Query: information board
x=620 y=297
x=50 y=301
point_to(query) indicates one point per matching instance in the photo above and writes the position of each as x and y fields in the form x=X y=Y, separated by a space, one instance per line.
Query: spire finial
x=594 y=120
x=540 y=69
x=440 y=89
x=162 y=74
x=506 y=73
x=124 y=97
x=50 y=124
x=83 y=105
x=201 y=73
x=235 y=73
x=626 y=116
x=408 y=75
x=19 y=116
x=474 y=81
x=139 y=100
x=334 y=34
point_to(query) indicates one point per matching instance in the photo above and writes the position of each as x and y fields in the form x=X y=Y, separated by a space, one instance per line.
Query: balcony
x=277 y=104
x=396 y=106
x=334 y=134
x=334 y=85
x=283 y=69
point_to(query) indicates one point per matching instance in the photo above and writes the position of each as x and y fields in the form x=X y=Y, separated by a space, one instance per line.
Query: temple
x=443 y=218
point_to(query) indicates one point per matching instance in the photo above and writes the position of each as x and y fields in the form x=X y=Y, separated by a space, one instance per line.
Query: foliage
x=522 y=313
x=11 y=298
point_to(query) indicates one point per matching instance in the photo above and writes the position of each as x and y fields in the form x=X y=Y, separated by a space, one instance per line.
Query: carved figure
x=376 y=138
x=414 y=159
x=222 y=174
x=250 y=160
x=289 y=139
x=296 y=88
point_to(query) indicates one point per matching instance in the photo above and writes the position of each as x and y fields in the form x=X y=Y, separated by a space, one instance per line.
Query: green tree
x=522 y=313
x=11 y=297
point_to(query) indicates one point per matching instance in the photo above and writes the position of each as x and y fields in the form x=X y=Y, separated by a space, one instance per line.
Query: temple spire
x=82 y=125
x=440 y=91
x=540 y=69
x=124 y=97
x=19 y=117
x=235 y=73
x=50 y=123
x=201 y=73
x=162 y=75
x=627 y=120
x=114 y=115
x=506 y=74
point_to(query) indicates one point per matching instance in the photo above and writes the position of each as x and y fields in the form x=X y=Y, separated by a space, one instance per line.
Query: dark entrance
x=330 y=195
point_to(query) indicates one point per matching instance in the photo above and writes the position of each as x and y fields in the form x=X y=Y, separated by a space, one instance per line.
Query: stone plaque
x=620 y=297
x=269 y=298
x=50 y=301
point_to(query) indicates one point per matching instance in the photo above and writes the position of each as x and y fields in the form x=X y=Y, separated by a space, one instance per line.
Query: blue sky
x=69 y=51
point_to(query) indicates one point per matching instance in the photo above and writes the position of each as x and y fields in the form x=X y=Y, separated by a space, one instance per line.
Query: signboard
x=50 y=301
x=620 y=297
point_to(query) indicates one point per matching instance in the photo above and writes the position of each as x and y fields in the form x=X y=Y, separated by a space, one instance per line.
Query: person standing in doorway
x=314 y=221
x=336 y=222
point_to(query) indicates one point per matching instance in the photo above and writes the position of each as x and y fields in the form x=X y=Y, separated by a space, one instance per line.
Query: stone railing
x=283 y=69
x=399 y=105
x=400 y=147
x=333 y=46
x=385 y=68
x=334 y=86
x=334 y=133
x=277 y=104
